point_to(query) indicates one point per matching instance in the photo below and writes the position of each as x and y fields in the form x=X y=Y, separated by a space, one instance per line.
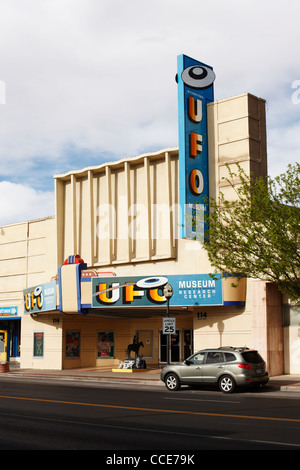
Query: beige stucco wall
x=24 y=249
x=26 y=257
x=226 y=326
x=53 y=338
x=237 y=134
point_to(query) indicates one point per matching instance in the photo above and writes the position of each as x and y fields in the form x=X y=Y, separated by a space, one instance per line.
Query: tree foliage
x=257 y=234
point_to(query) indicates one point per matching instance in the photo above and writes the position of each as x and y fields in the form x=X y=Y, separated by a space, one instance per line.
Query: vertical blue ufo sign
x=195 y=90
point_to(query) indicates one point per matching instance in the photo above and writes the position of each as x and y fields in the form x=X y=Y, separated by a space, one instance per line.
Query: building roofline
x=21 y=222
x=118 y=163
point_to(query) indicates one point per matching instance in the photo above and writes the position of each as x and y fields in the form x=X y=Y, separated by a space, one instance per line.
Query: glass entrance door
x=174 y=347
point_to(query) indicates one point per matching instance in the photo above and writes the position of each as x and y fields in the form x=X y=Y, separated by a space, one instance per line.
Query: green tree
x=257 y=234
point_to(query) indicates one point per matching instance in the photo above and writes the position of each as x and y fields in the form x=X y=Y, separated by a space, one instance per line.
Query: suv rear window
x=252 y=356
x=229 y=357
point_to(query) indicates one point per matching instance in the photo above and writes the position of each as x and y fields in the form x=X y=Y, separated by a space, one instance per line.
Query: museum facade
x=77 y=288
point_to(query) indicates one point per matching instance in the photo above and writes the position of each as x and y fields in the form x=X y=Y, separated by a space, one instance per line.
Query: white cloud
x=20 y=203
x=97 y=77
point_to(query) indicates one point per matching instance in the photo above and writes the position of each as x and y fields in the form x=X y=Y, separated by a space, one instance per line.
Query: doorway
x=3 y=346
x=13 y=341
x=174 y=347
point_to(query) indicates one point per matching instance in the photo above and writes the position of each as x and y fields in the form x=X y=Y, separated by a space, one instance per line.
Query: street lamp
x=168 y=292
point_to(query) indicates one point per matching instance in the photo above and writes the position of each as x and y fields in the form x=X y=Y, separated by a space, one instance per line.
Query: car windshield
x=252 y=357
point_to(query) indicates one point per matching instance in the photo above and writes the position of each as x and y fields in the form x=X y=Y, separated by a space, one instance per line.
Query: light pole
x=168 y=292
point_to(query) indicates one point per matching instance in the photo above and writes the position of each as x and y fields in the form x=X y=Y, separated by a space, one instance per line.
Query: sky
x=84 y=82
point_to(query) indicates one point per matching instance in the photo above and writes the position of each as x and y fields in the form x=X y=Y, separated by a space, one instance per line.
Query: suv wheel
x=226 y=384
x=172 y=382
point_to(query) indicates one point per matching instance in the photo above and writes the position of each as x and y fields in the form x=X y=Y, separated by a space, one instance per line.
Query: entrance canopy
x=77 y=289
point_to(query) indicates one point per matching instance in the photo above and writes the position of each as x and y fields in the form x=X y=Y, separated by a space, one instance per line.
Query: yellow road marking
x=156 y=410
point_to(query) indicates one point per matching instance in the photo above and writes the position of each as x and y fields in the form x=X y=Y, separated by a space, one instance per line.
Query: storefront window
x=105 y=344
x=38 y=344
x=72 y=344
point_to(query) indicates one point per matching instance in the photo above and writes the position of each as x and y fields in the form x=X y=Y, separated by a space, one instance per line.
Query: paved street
x=57 y=414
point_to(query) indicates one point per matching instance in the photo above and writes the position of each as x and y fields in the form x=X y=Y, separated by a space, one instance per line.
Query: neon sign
x=195 y=90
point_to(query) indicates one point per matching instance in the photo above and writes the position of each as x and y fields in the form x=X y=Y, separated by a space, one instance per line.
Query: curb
x=290 y=388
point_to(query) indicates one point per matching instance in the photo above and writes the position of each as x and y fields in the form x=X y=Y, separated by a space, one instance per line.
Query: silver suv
x=228 y=367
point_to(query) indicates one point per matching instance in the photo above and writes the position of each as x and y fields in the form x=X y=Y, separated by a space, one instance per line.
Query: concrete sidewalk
x=149 y=377
x=94 y=374
x=101 y=374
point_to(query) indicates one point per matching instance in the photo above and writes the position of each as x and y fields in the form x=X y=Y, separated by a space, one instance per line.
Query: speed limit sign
x=169 y=326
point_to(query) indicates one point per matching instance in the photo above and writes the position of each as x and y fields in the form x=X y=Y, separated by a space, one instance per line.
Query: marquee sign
x=41 y=298
x=195 y=91
x=188 y=290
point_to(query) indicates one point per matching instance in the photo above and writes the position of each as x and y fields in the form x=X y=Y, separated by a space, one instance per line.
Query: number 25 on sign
x=169 y=326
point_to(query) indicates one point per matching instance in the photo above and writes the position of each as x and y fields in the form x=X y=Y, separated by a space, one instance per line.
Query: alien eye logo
x=198 y=76
x=37 y=291
x=152 y=282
